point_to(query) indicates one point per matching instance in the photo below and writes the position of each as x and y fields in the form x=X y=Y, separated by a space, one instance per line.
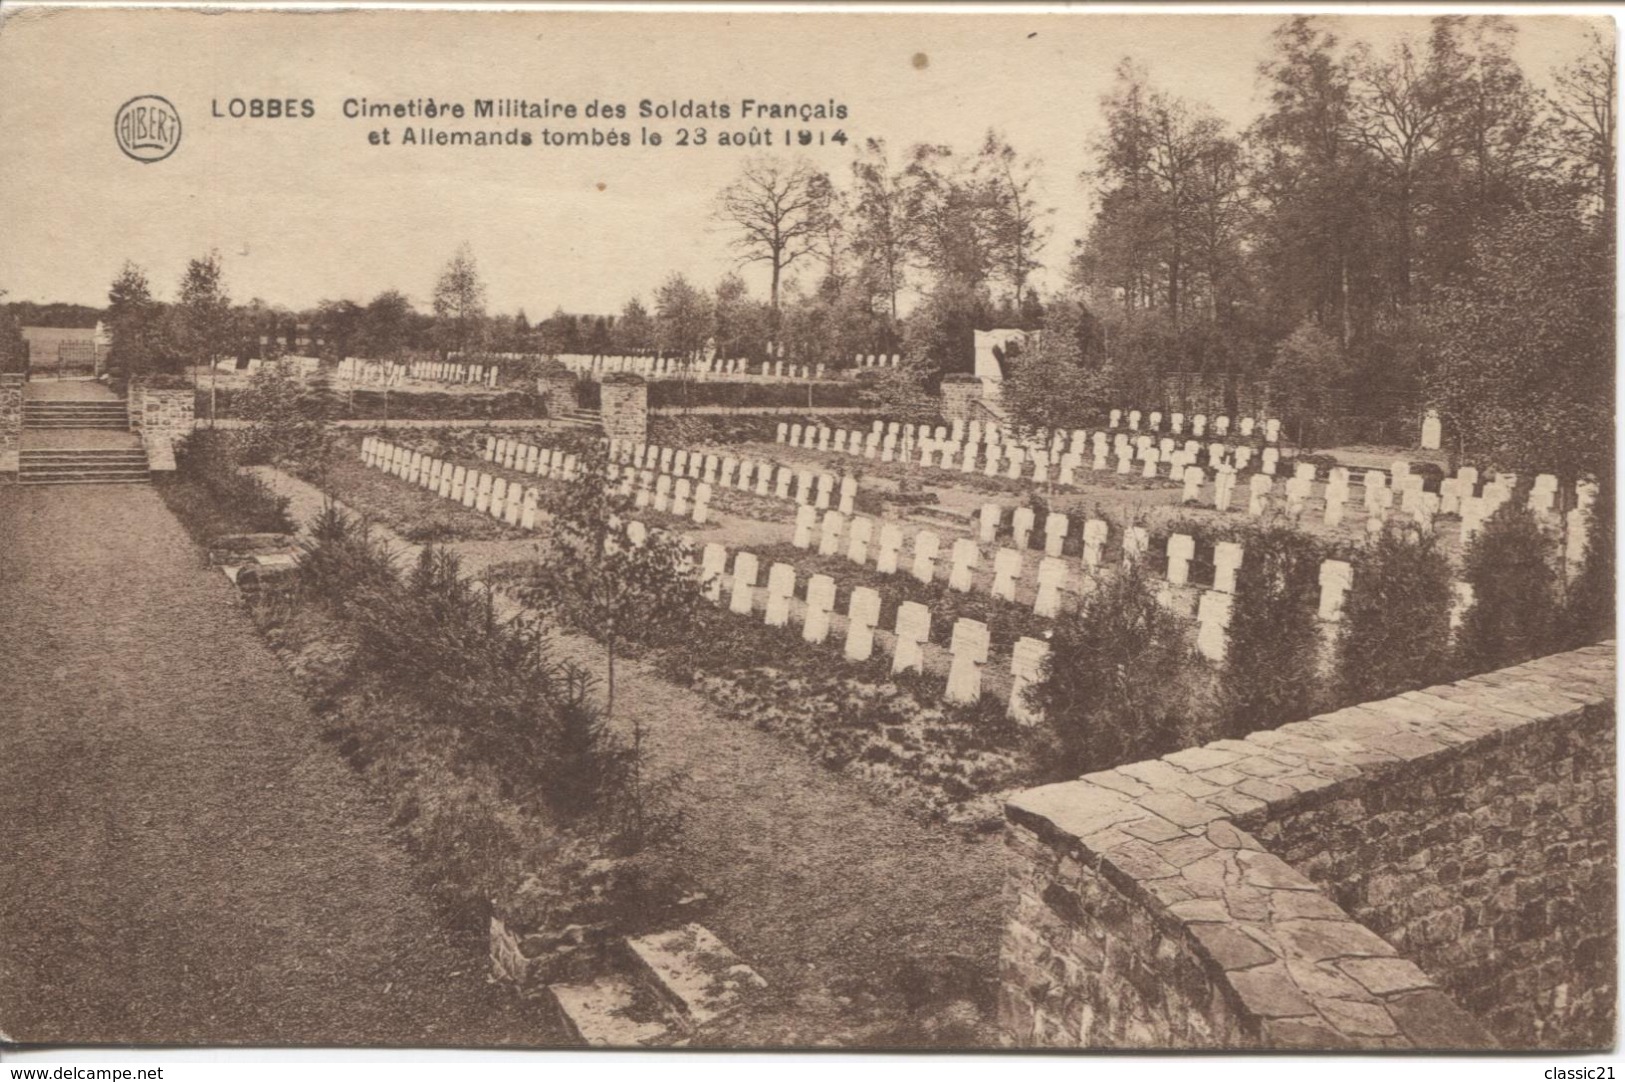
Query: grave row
x=858 y=540
x=488 y=494
x=807 y=487
x=384 y=373
x=968 y=649
x=449 y=372
x=667 y=494
x=972 y=449
x=674 y=368
x=1270 y=426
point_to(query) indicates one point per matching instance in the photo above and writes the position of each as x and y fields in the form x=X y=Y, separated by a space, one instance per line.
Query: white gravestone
x=781 y=587
x=861 y=616
x=926 y=546
x=913 y=630
x=1006 y=570
x=1052 y=579
x=744 y=583
x=1027 y=660
x=829 y=536
x=969 y=648
x=965 y=557
x=820 y=602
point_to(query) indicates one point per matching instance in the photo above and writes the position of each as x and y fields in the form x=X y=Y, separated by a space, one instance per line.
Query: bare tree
x=884 y=232
x=1584 y=104
x=459 y=301
x=780 y=210
x=1016 y=221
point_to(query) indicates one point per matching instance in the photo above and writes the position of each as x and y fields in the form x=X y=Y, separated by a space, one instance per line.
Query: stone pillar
x=625 y=405
x=11 y=423
x=557 y=386
x=161 y=417
x=960 y=394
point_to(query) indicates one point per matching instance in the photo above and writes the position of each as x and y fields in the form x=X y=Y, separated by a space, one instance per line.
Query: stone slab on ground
x=614 y=1011
x=695 y=972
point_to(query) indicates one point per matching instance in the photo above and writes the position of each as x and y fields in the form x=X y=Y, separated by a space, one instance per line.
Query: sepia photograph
x=920 y=530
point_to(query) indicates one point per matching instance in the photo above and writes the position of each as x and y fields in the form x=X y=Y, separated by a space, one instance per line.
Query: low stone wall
x=11 y=423
x=161 y=417
x=1237 y=895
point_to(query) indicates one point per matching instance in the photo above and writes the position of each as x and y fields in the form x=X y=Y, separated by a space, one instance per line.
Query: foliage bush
x=1514 y=614
x=210 y=495
x=790 y=394
x=1396 y=618
x=368 y=405
x=1120 y=684
x=287 y=418
x=1271 y=669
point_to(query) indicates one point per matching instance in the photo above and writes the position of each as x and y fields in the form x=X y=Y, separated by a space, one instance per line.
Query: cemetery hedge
x=1121 y=682
x=363 y=405
x=503 y=780
x=212 y=498
x=702 y=429
x=665 y=393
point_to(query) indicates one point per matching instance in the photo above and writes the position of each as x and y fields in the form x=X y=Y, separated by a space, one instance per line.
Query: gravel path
x=182 y=860
x=820 y=882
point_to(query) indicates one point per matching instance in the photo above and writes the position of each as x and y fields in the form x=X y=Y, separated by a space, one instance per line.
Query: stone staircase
x=48 y=414
x=57 y=462
x=87 y=466
x=662 y=987
x=581 y=417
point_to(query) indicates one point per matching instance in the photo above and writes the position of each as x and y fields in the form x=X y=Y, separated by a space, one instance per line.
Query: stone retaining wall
x=1194 y=901
x=960 y=395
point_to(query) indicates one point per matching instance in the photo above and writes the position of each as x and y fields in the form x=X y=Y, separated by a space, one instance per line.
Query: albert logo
x=148 y=128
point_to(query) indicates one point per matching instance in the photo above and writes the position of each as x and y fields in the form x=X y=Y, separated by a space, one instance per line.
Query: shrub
x=1271 y=664
x=1396 y=619
x=212 y=497
x=288 y=419
x=1118 y=685
x=1513 y=616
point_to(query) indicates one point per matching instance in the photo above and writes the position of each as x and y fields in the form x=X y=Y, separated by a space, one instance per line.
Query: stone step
x=142 y=479
x=614 y=1011
x=693 y=972
x=79 y=452
x=74 y=422
x=52 y=468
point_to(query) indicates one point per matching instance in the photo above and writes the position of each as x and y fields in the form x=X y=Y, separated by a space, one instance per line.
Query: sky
x=306 y=209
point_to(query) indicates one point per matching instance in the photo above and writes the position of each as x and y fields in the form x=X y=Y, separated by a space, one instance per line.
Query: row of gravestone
x=807 y=487
x=387 y=373
x=968 y=647
x=488 y=494
x=447 y=372
x=1056 y=577
x=1198 y=424
x=666 y=494
x=702 y=368
x=1017 y=461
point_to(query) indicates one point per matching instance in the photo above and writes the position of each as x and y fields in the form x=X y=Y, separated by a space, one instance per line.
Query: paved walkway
x=181 y=859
